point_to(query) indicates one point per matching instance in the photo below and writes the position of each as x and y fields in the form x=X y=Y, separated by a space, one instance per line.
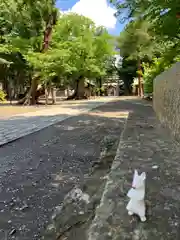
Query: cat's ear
x=135 y=172
x=143 y=175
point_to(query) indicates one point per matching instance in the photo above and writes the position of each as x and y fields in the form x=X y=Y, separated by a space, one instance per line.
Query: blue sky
x=99 y=10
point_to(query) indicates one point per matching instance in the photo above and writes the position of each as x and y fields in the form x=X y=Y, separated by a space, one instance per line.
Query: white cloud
x=98 y=10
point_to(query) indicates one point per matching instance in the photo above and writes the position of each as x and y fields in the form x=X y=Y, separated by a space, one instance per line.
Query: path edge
x=102 y=211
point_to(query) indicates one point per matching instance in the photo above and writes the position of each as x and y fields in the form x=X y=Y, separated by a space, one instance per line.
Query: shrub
x=2 y=96
x=151 y=71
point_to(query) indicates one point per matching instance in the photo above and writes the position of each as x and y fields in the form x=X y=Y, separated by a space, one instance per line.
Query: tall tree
x=70 y=52
x=87 y=48
x=49 y=17
x=164 y=19
x=26 y=26
x=136 y=43
x=162 y=15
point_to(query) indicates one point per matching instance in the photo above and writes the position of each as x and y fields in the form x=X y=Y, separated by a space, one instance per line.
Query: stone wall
x=166 y=99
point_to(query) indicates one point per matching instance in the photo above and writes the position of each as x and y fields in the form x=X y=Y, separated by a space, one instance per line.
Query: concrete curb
x=105 y=207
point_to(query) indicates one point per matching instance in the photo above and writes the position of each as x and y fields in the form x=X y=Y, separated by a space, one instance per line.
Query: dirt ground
x=37 y=171
x=8 y=110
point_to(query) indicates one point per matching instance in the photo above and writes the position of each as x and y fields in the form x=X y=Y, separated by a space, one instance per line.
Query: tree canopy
x=161 y=14
x=152 y=34
x=50 y=47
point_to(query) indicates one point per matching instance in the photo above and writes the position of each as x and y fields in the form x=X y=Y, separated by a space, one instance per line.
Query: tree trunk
x=53 y=94
x=67 y=91
x=128 y=88
x=140 y=88
x=100 y=87
x=79 y=92
x=48 y=31
x=30 y=97
x=46 y=96
x=34 y=86
x=80 y=89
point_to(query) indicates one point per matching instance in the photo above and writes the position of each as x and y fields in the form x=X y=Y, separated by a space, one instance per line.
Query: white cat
x=136 y=194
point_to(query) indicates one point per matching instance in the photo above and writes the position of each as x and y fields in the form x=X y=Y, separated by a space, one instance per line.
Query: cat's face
x=138 y=180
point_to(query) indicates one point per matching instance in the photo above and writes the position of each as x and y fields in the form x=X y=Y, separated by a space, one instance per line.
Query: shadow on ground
x=38 y=170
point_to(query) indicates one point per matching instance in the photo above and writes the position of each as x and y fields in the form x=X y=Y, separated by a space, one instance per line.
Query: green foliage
x=2 y=96
x=22 y=25
x=14 y=68
x=25 y=19
x=151 y=71
x=135 y=45
x=100 y=91
x=161 y=14
x=135 y=41
x=77 y=48
x=169 y=55
x=153 y=35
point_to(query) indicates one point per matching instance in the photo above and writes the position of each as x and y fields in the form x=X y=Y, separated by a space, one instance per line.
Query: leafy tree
x=14 y=72
x=2 y=96
x=162 y=14
x=135 y=42
x=125 y=68
x=45 y=48
x=26 y=27
x=85 y=48
x=164 y=31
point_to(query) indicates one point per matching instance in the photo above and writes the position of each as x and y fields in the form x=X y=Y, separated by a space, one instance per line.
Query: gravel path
x=38 y=170
x=24 y=123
